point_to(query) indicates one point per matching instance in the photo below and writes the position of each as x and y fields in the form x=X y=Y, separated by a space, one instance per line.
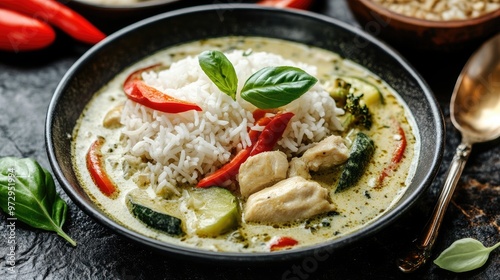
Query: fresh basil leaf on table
x=464 y=255
x=28 y=193
x=220 y=70
x=273 y=87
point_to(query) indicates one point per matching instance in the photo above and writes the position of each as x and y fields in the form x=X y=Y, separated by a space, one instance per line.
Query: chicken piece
x=292 y=199
x=261 y=171
x=328 y=152
x=298 y=167
x=112 y=118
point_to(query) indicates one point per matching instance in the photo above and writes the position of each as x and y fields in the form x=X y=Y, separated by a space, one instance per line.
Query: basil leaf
x=220 y=70
x=464 y=255
x=28 y=193
x=273 y=87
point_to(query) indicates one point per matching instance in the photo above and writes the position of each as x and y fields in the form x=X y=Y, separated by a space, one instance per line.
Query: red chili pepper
x=260 y=113
x=283 y=242
x=59 y=15
x=97 y=170
x=297 y=4
x=397 y=155
x=138 y=91
x=265 y=141
x=227 y=172
x=271 y=133
x=19 y=32
x=136 y=75
x=254 y=134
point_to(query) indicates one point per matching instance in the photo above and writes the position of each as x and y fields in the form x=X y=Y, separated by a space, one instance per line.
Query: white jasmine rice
x=182 y=148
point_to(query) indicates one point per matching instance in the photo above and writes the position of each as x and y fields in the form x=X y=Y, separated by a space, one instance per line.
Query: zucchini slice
x=216 y=209
x=152 y=213
x=361 y=153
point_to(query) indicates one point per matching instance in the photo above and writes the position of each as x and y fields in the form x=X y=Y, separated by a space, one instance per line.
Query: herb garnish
x=273 y=87
x=464 y=255
x=268 y=88
x=220 y=70
x=28 y=193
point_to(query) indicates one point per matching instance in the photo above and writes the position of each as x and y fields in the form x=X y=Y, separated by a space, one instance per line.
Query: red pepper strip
x=396 y=156
x=260 y=113
x=227 y=172
x=95 y=165
x=265 y=142
x=297 y=4
x=283 y=242
x=254 y=134
x=155 y=99
x=136 y=75
x=271 y=133
x=138 y=91
x=19 y=32
x=59 y=15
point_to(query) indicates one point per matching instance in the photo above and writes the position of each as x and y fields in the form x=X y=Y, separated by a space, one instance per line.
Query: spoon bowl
x=475 y=104
x=475 y=112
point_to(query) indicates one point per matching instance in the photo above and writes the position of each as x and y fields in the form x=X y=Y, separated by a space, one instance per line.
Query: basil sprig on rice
x=269 y=88
x=220 y=70
x=273 y=87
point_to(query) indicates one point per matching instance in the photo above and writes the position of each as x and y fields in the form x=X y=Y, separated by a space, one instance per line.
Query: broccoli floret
x=356 y=113
x=339 y=91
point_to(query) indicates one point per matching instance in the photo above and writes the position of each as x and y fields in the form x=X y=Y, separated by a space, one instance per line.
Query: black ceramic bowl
x=105 y=60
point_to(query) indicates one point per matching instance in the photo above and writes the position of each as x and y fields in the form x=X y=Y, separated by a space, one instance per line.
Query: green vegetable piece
x=273 y=87
x=464 y=255
x=339 y=91
x=28 y=193
x=371 y=93
x=356 y=112
x=216 y=209
x=151 y=212
x=361 y=153
x=220 y=70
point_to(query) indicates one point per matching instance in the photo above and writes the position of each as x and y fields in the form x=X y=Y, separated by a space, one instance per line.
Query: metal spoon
x=475 y=112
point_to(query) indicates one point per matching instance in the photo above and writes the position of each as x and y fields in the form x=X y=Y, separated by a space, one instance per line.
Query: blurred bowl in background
x=422 y=34
x=113 y=10
x=110 y=17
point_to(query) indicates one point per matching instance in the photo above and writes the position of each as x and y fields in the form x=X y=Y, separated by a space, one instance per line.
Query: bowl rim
x=254 y=258
x=429 y=23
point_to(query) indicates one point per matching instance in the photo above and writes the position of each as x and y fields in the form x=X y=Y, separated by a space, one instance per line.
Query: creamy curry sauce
x=356 y=206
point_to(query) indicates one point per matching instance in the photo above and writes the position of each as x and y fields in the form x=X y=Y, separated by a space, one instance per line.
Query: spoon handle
x=422 y=246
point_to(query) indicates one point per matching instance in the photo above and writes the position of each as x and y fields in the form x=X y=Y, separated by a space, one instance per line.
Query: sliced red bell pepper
x=296 y=4
x=226 y=172
x=271 y=133
x=136 y=75
x=397 y=154
x=97 y=170
x=19 y=32
x=254 y=134
x=260 y=113
x=59 y=15
x=265 y=141
x=137 y=90
x=283 y=242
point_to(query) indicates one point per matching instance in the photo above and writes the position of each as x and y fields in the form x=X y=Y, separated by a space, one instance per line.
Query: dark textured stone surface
x=27 y=82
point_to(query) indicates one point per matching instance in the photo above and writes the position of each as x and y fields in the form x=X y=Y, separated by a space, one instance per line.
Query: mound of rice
x=182 y=148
